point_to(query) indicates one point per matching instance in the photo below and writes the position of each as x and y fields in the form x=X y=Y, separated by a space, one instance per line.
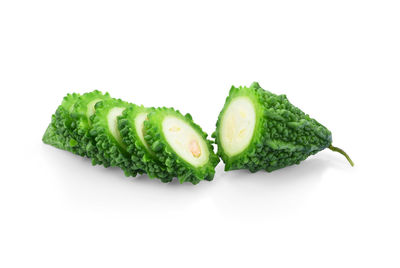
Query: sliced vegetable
x=81 y=113
x=180 y=145
x=111 y=149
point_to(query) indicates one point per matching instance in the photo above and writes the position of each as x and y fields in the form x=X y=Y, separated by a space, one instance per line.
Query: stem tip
x=336 y=149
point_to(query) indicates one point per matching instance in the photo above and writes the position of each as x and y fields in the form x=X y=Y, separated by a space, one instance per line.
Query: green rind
x=59 y=132
x=51 y=137
x=81 y=124
x=143 y=158
x=176 y=166
x=109 y=151
x=283 y=135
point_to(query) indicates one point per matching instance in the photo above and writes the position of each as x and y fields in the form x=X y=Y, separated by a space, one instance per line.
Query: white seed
x=174 y=129
x=194 y=148
x=242 y=132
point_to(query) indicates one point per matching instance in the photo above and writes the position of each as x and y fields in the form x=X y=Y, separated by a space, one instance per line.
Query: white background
x=339 y=61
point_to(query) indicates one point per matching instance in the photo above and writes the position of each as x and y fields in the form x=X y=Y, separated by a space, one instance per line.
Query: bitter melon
x=257 y=130
x=180 y=145
x=59 y=132
x=51 y=137
x=111 y=150
x=131 y=128
x=81 y=125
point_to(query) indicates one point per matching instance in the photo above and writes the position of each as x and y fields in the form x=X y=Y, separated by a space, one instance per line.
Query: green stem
x=336 y=149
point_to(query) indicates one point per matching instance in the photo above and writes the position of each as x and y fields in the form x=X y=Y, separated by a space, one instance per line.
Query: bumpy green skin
x=110 y=152
x=141 y=156
x=283 y=134
x=59 y=133
x=81 y=124
x=51 y=137
x=176 y=166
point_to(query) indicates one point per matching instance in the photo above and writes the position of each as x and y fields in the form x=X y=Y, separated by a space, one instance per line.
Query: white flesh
x=113 y=124
x=90 y=108
x=237 y=126
x=185 y=141
x=72 y=107
x=139 y=122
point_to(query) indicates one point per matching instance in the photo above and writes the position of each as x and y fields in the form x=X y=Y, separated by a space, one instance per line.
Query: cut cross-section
x=131 y=125
x=112 y=123
x=180 y=145
x=90 y=108
x=185 y=141
x=139 y=123
x=82 y=111
x=112 y=151
x=237 y=125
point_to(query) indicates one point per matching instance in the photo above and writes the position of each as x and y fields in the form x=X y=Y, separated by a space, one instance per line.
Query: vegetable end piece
x=336 y=149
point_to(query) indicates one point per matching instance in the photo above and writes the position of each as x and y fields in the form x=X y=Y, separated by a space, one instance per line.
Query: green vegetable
x=81 y=125
x=257 y=129
x=59 y=133
x=131 y=127
x=51 y=137
x=180 y=145
x=111 y=150
x=161 y=142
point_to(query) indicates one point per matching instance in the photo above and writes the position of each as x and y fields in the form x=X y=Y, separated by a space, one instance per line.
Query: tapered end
x=336 y=149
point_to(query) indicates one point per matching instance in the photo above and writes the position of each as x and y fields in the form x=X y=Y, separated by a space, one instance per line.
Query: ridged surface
x=59 y=132
x=109 y=151
x=141 y=156
x=71 y=129
x=81 y=124
x=176 y=166
x=283 y=135
x=51 y=137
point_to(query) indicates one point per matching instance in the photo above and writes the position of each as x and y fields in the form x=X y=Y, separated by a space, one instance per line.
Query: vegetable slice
x=111 y=149
x=181 y=145
x=131 y=125
x=81 y=113
x=59 y=132
x=51 y=137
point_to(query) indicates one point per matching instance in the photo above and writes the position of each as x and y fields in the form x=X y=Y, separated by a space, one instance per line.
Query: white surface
x=113 y=123
x=237 y=125
x=185 y=141
x=337 y=60
x=90 y=108
x=139 y=124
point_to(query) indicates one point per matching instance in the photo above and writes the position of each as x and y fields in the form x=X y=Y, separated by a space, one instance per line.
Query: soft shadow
x=108 y=188
x=277 y=193
x=237 y=194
